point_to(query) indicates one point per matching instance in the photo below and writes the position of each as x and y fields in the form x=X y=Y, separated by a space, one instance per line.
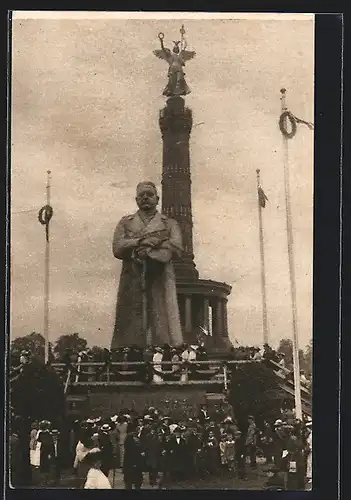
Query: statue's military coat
x=162 y=305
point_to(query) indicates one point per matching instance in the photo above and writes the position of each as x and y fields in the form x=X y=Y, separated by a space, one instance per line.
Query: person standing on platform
x=188 y=356
x=147 y=307
x=176 y=364
x=157 y=365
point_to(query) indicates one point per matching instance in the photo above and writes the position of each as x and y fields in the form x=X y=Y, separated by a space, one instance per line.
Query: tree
x=309 y=358
x=97 y=352
x=254 y=390
x=36 y=393
x=286 y=348
x=302 y=360
x=73 y=343
x=34 y=342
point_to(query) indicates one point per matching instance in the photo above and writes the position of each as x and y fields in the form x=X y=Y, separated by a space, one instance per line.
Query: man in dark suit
x=240 y=450
x=58 y=456
x=106 y=448
x=133 y=462
x=203 y=415
x=177 y=451
x=46 y=452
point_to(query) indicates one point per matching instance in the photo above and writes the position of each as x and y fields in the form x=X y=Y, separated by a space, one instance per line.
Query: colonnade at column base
x=203 y=313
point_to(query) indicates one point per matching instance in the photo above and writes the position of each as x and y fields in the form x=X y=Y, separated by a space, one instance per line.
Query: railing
x=286 y=376
x=147 y=372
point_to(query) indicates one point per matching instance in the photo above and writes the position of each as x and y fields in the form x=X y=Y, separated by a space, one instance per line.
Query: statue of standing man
x=147 y=308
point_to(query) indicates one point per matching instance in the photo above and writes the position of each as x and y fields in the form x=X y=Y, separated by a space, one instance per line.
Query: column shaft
x=206 y=324
x=219 y=318
x=188 y=315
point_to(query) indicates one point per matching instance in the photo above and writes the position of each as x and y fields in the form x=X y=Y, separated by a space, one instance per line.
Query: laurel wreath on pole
x=288 y=116
x=44 y=217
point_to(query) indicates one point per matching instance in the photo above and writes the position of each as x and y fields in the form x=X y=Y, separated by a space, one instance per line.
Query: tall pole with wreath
x=44 y=216
x=287 y=134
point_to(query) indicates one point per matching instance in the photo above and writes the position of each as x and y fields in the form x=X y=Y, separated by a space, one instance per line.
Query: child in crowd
x=227 y=449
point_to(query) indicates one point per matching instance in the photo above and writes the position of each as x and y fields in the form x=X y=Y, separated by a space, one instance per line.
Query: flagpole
x=263 y=269
x=47 y=274
x=289 y=232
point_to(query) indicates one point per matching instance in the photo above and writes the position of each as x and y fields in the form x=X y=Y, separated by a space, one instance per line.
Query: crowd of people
x=161 y=450
x=159 y=446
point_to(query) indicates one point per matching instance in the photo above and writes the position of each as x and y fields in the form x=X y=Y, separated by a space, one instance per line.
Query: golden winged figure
x=176 y=60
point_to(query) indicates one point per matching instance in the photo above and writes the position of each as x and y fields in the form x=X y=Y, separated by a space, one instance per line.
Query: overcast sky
x=86 y=95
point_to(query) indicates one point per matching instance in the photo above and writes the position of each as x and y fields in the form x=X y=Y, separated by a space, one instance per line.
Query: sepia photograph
x=161 y=250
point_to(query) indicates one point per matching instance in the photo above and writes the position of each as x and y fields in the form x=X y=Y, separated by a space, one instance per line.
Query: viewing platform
x=146 y=373
x=97 y=388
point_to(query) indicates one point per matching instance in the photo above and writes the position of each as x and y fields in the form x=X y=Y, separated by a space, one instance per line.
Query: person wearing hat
x=227 y=451
x=146 y=242
x=25 y=357
x=84 y=445
x=251 y=441
x=211 y=451
x=106 y=448
x=257 y=355
x=46 y=444
x=294 y=461
x=267 y=442
x=188 y=356
x=176 y=363
x=240 y=452
x=177 y=450
x=275 y=480
x=133 y=463
x=228 y=426
x=194 y=442
x=95 y=479
x=153 y=447
x=57 y=459
x=33 y=435
x=279 y=442
x=203 y=414
x=121 y=426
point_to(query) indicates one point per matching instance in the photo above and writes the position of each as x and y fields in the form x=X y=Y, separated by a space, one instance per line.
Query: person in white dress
x=96 y=479
x=157 y=360
x=189 y=354
x=84 y=445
